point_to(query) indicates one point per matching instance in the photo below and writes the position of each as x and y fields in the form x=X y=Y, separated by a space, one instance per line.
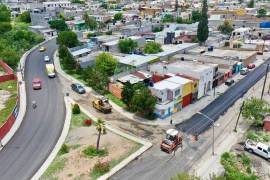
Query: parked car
x=78 y=88
x=36 y=83
x=42 y=49
x=244 y=71
x=258 y=148
x=229 y=82
x=251 y=66
x=46 y=58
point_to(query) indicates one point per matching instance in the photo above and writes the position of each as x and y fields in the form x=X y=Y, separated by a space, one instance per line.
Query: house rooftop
x=178 y=80
x=161 y=85
x=173 y=49
x=80 y=51
x=222 y=53
x=112 y=43
x=136 y=60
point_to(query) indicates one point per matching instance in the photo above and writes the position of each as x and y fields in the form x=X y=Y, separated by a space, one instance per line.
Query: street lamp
x=213 y=127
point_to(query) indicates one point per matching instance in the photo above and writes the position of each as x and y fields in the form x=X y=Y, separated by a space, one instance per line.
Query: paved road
x=198 y=123
x=41 y=127
x=158 y=165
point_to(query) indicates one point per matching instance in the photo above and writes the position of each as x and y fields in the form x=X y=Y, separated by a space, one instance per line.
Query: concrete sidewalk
x=209 y=164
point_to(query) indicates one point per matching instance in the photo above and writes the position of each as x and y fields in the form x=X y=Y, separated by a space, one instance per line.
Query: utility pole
x=241 y=109
x=213 y=133
x=266 y=73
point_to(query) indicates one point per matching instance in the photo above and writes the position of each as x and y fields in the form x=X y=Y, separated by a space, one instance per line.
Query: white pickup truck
x=258 y=148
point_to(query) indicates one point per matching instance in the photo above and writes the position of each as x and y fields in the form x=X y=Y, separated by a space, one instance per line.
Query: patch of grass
x=64 y=149
x=57 y=165
x=117 y=101
x=100 y=169
x=77 y=120
x=114 y=162
x=257 y=136
x=90 y=151
x=11 y=87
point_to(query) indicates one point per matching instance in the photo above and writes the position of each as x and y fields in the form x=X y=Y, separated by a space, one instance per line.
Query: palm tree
x=100 y=127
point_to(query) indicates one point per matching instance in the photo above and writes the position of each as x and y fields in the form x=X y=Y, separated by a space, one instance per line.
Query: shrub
x=227 y=43
x=101 y=168
x=64 y=149
x=91 y=151
x=76 y=109
x=87 y=122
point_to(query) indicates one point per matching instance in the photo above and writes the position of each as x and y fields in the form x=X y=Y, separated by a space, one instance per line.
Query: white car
x=258 y=148
x=46 y=58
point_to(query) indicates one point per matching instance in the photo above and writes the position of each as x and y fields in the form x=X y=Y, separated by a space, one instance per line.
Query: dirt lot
x=76 y=165
x=115 y=119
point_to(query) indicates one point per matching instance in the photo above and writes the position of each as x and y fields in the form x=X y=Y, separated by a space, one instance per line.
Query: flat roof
x=111 y=43
x=130 y=78
x=190 y=66
x=56 y=2
x=178 y=80
x=230 y=53
x=206 y=59
x=80 y=51
x=170 y=49
x=161 y=85
x=136 y=60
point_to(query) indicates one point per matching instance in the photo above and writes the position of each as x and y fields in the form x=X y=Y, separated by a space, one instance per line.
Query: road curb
x=23 y=102
x=123 y=163
x=88 y=89
x=59 y=143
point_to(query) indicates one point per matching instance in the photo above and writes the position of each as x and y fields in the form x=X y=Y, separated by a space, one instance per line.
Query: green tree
x=25 y=17
x=251 y=4
x=254 y=110
x=67 y=60
x=58 y=24
x=118 y=16
x=261 y=12
x=67 y=38
x=106 y=63
x=144 y=103
x=168 y=18
x=101 y=128
x=127 y=93
x=127 y=45
x=96 y=79
x=202 y=31
x=226 y=27
x=5 y=25
x=196 y=16
x=90 y=22
x=152 y=48
x=179 y=20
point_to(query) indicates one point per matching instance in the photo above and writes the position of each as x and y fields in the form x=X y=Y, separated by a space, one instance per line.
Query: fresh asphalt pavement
x=41 y=127
x=158 y=165
x=199 y=123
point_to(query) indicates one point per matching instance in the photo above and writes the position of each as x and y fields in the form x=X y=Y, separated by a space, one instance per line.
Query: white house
x=204 y=73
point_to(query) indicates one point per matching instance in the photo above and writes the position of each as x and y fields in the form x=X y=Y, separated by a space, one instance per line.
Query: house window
x=177 y=92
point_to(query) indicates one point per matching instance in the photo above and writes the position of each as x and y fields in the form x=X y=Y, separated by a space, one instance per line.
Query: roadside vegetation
x=254 y=111
x=9 y=104
x=92 y=160
x=15 y=39
x=236 y=167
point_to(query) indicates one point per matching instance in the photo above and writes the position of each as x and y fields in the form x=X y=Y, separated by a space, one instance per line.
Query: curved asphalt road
x=40 y=129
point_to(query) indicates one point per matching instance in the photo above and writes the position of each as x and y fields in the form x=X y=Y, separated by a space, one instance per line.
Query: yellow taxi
x=42 y=49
